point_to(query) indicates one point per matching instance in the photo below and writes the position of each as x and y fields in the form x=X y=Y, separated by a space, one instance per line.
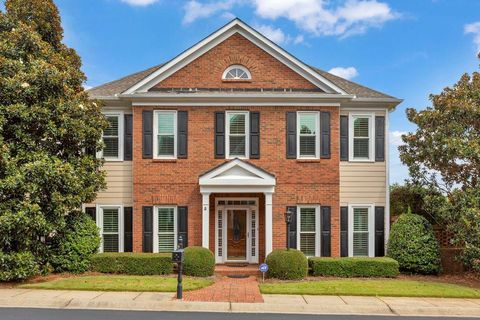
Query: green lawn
x=121 y=283
x=371 y=287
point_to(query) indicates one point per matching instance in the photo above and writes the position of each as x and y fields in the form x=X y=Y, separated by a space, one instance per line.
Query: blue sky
x=406 y=48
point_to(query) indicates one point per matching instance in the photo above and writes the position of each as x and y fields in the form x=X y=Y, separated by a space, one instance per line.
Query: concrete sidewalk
x=150 y=301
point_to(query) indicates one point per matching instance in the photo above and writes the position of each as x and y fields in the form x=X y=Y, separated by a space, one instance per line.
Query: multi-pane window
x=362 y=137
x=308 y=229
x=237 y=136
x=308 y=137
x=165 y=134
x=360 y=232
x=112 y=138
x=236 y=72
x=166 y=229
x=110 y=229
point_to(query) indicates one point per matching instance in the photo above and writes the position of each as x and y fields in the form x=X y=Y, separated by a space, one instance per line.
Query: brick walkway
x=228 y=290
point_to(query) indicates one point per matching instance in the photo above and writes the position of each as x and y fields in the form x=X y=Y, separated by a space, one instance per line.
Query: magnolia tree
x=46 y=124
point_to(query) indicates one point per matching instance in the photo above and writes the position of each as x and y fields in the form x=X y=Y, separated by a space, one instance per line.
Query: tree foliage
x=46 y=124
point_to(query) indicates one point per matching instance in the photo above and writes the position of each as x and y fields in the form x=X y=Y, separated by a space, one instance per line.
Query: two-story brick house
x=218 y=143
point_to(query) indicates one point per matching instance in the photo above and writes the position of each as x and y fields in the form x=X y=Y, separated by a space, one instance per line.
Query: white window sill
x=112 y=160
x=362 y=160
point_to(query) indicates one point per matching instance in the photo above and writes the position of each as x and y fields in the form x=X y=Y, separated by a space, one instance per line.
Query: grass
x=371 y=287
x=121 y=283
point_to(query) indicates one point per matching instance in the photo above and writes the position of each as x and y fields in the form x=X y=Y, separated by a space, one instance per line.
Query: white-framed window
x=112 y=137
x=361 y=237
x=308 y=230
x=308 y=135
x=165 y=134
x=110 y=222
x=361 y=136
x=165 y=229
x=236 y=72
x=237 y=138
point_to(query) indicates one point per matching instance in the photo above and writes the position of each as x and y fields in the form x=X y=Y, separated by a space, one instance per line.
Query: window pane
x=307 y=243
x=360 y=127
x=112 y=129
x=308 y=123
x=361 y=148
x=360 y=244
x=110 y=243
x=166 y=145
x=308 y=145
x=237 y=145
x=111 y=147
x=360 y=219
x=165 y=123
x=360 y=231
x=165 y=242
x=165 y=220
x=110 y=220
x=307 y=219
x=237 y=124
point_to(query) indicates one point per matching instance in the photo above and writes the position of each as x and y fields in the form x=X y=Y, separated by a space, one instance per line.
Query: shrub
x=73 y=247
x=354 y=267
x=413 y=244
x=133 y=263
x=287 y=264
x=17 y=266
x=199 y=262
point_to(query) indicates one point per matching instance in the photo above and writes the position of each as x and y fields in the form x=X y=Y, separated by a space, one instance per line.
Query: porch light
x=288 y=220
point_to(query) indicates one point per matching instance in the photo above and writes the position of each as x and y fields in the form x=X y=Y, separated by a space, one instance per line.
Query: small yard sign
x=263 y=268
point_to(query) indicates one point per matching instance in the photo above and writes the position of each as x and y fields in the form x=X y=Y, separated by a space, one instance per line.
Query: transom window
x=236 y=72
x=165 y=227
x=237 y=134
x=308 y=226
x=112 y=138
x=361 y=133
x=165 y=127
x=308 y=134
x=110 y=221
x=361 y=235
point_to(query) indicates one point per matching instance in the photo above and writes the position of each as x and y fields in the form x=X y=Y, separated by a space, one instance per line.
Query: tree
x=47 y=123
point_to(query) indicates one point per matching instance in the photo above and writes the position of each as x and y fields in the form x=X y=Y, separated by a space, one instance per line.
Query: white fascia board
x=235 y=26
x=263 y=179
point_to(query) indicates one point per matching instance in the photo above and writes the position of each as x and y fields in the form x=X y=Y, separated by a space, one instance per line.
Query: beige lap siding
x=363 y=183
x=119 y=184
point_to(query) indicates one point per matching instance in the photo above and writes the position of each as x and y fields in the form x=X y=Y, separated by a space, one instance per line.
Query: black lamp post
x=288 y=220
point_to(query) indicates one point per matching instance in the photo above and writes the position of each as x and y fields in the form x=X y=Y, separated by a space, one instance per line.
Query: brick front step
x=237 y=270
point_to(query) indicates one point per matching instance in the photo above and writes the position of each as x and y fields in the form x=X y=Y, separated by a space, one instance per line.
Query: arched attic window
x=236 y=72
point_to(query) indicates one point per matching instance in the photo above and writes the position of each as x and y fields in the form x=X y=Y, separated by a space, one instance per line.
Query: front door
x=237 y=235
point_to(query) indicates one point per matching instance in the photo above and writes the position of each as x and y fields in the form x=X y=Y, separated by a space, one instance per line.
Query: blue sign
x=263 y=267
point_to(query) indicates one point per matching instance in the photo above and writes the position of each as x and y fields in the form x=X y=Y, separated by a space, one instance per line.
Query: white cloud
x=277 y=35
x=346 y=73
x=396 y=138
x=87 y=87
x=298 y=39
x=474 y=28
x=196 y=10
x=140 y=3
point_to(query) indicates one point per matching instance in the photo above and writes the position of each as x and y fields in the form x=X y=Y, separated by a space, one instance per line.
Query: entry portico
x=234 y=177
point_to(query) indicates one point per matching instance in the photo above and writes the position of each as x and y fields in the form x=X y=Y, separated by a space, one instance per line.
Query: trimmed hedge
x=199 y=262
x=354 y=267
x=287 y=264
x=133 y=263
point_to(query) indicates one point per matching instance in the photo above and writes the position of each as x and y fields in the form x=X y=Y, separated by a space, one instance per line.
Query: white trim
x=387 y=180
x=255 y=103
x=235 y=26
x=205 y=219
x=317 y=134
x=237 y=66
x=155 y=133
x=228 y=113
x=371 y=131
x=155 y=226
x=371 y=228
x=99 y=221
x=268 y=223
x=317 y=227
x=121 y=134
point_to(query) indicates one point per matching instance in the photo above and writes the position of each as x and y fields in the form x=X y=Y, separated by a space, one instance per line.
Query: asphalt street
x=57 y=314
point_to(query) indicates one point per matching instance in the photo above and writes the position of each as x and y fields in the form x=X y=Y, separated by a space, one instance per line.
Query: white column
x=205 y=219
x=268 y=224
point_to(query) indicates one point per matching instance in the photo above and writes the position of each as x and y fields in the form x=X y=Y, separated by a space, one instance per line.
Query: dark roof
x=118 y=86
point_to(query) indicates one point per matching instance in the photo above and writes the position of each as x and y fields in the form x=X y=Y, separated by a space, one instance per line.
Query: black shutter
x=182 y=128
x=325 y=135
x=127 y=229
x=291 y=135
x=379 y=231
x=254 y=135
x=326 y=226
x=292 y=233
x=220 y=135
x=344 y=231
x=182 y=225
x=128 y=138
x=92 y=212
x=147 y=218
x=344 y=138
x=147 y=134
x=380 y=138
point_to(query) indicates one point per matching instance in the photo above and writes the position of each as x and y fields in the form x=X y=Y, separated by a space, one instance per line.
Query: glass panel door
x=237 y=235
